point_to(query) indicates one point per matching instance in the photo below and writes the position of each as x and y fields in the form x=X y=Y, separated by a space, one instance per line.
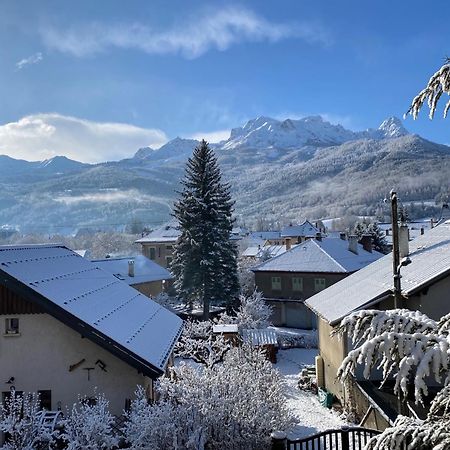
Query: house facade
x=425 y=287
x=287 y=280
x=70 y=329
x=158 y=245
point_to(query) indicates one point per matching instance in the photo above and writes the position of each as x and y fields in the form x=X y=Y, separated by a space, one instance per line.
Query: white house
x=69 y=328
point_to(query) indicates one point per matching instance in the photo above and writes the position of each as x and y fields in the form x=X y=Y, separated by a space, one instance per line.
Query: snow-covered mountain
x=289 y=169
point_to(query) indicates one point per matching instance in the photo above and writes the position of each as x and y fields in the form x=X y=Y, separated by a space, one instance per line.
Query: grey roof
x=145 y=270
x=93 y=302
x=306 y=229
x=430 y=256
x=258 y=251
x=261 y=336
x=166 y=233
x=327 y=255
x=265 y=235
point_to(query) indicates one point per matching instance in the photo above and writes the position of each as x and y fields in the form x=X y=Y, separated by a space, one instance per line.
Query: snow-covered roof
x=265 y=235
x=262 y=336
x=271 y=250
x=430 y=256
x=93 y=302
x=166 y=233
x=225 y=328
x=327 y=255
x=306 y=229
x=145 y=270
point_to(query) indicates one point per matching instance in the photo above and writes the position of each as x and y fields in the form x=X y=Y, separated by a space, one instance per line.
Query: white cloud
x=42 y=136
x=212 y=136
x=33 y=59
x=199 y=34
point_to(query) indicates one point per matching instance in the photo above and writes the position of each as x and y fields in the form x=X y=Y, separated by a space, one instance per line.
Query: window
x=12 y=326
x=169 y=247
x=319 y=284
x=276 y=283
x=152 y=253
x=297 y=284
x=45 y=398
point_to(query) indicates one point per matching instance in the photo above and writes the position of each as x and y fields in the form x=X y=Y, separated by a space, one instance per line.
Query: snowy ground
x=311 y=417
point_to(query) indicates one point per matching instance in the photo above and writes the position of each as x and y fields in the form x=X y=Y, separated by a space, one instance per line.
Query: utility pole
x=395 y=251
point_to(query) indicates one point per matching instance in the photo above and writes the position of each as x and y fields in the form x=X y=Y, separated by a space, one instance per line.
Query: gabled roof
x=306 y=229
x=430 y=256
x=93 y=302
x=265 y=235
x=166 y=233
x=145 y=270
x=271 y=250
x=327 y=255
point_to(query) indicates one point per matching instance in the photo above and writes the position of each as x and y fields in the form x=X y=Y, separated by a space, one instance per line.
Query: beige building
x=425 y=287
x=69 y=328
x=158 y=245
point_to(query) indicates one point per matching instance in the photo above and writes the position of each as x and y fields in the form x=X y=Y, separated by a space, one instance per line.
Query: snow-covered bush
x=253 y=312
x=234 y=405
x=246 y=277
x=20 y=419
x=199 y=343
x=89 y=425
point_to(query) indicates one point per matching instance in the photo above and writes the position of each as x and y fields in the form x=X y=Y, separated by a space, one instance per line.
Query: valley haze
x=278 y=169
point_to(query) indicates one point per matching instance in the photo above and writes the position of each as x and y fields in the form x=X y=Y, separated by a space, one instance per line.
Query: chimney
x=288 y=243
x=366 y=241
x=131 y=268
x=431 y=223
x=387 y=231
x=422 y=231
x=403 y=240
x=318 y=236
x=342 y=235
x=353 y=244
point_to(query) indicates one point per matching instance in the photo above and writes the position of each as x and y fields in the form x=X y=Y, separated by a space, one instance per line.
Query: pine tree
x=205 y=259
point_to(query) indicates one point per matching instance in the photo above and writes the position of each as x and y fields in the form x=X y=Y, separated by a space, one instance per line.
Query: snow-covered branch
x=438 y=84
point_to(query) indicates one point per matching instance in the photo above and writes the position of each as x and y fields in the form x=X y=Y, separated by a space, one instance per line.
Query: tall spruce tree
x=205 y=259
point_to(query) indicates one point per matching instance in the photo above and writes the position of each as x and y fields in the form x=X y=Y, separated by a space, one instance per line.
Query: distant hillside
x=288 y=169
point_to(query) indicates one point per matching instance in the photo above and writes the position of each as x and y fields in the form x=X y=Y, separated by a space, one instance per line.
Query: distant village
x=75 y=326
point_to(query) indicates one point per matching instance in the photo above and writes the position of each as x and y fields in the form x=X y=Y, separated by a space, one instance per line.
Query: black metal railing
x=345 y=438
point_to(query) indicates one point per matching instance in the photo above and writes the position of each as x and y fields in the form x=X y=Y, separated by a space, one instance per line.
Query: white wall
x=40 y=357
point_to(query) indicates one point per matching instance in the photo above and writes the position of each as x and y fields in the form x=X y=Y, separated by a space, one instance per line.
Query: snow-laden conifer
x=205 y=259
x=438 y=84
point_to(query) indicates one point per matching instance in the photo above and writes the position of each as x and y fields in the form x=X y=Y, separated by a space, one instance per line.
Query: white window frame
x=299 y=283
x=276 y=283
x=320 y=284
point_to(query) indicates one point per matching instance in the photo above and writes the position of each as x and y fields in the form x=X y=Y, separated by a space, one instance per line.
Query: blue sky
x=96 y=80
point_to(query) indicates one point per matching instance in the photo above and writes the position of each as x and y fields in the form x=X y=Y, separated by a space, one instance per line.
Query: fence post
x=279 y=440
x=344 y=438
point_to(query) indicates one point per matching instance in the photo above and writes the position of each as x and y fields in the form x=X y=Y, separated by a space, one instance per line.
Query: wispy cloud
x=33 y=59
x=212 y=136
x=42 y=136
x=192 y=38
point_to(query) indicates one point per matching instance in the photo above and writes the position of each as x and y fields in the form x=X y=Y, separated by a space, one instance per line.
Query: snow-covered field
x=311 y=417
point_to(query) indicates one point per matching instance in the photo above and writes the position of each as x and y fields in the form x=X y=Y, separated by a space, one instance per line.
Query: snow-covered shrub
x=234 y=405
x=407 y=345
x=20 y=419
x=253 y=312
x=89 y=425
x=246 y=277
x=199 y=343
x=166 y=301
